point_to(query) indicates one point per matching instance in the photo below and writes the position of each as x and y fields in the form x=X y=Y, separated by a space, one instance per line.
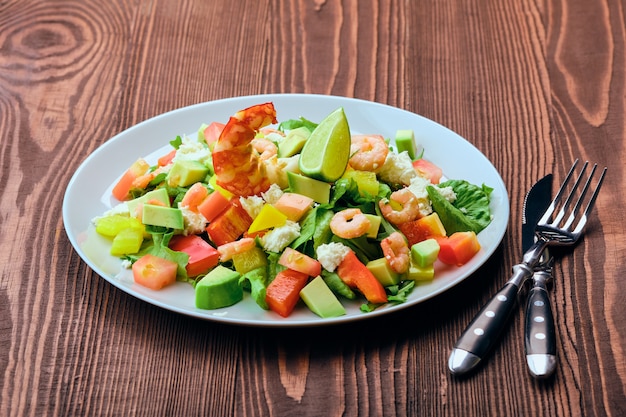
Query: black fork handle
x=481 y=335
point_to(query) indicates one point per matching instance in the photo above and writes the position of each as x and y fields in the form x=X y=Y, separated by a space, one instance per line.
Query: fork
x=549 y=233
x=481 y=334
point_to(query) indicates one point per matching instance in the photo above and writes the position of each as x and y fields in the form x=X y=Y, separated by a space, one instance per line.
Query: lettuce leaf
x=469 y=212
x=256 y=281
x=296 y=123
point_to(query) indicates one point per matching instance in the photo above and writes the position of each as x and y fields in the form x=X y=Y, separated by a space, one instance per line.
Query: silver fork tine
x=574 y=213
x=548 y=213
x=592 y=200
x=568 y=201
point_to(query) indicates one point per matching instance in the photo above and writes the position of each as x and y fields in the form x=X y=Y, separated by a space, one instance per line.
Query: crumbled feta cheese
x=195 y=223
x=252 y=205
x=193 y=150
x=418 y=188
x=447 y=193
x=126 y=264
x=278 y=238
x=272 y=195
x=397 y=169
x=331 y=254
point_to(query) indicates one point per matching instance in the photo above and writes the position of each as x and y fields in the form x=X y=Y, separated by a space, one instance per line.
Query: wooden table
x=532 y=85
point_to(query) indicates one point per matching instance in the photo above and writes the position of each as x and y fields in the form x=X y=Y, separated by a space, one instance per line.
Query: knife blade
x=484 y=330
x=539 y=332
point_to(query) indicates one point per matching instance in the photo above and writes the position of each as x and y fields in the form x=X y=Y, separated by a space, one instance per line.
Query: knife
x=482 y=333
x=539 y=333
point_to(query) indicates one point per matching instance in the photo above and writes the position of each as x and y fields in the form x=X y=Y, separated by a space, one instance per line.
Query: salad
x=291 y=211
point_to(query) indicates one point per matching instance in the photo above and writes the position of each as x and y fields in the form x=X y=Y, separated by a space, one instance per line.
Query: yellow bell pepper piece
x=268 y=217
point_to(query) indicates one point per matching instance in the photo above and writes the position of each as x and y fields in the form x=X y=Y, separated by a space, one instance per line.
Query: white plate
x=88 y=196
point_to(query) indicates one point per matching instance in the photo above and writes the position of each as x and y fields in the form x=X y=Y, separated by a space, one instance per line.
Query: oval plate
x=88 y=195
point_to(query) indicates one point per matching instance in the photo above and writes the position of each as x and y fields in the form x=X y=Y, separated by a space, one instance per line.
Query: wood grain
x=532 y=85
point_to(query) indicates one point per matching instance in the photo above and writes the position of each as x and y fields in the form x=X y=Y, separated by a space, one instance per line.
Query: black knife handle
x=540 y=336
x=482 y=333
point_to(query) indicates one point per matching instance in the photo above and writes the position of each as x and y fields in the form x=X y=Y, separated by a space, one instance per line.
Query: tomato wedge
x=123 y=186
x=167 y=158
x=428 y=170
x=300 y=262
x=212 y=133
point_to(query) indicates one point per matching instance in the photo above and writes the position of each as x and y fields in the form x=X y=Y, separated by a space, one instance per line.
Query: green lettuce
x=469 y=212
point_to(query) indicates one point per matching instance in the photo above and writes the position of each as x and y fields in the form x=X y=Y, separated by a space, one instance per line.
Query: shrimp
x=228 y=250
x=369 y=152
x=396 y=251
x=409 y=203
x=349 y=223
x=237 y=166
x=265 y=147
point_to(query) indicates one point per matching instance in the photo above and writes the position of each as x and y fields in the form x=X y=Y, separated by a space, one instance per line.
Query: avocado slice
x=184 y=173
x=318 y=190
x=162 y=216
x=321 y=300
x=159 y=194
x=219 y=288
x=293 y=142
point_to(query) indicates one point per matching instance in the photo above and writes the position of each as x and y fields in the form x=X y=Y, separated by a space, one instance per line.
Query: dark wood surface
x=532 y=84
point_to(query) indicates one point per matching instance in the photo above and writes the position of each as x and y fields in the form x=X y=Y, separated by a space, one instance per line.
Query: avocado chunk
x=321 y=300
x=293 y=142
x=162 y=216
x=318 y=190
x=425 y=253
x=382 y=271
x=184 y=173
x=219 y=288
x=159 y=194
x=375 y=221
x=421 y=274
x=405 y=141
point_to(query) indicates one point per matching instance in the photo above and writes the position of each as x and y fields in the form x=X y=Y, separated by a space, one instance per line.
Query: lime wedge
x=325 y=154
